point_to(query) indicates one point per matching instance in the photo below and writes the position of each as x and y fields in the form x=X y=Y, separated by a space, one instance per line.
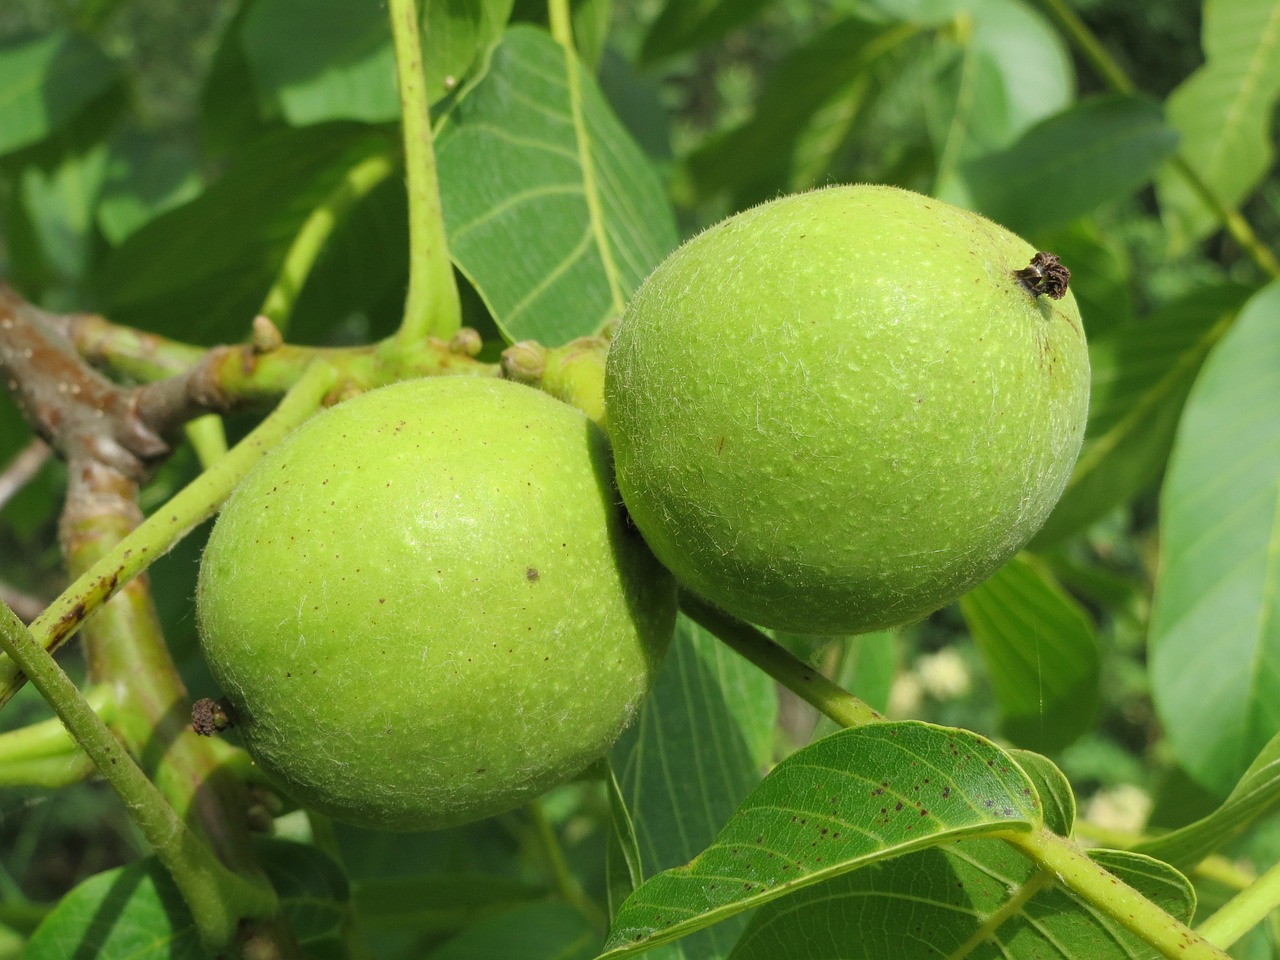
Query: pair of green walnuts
x=829 y=414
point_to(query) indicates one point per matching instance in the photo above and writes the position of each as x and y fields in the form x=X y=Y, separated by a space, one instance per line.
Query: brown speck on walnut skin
x=1044 y=275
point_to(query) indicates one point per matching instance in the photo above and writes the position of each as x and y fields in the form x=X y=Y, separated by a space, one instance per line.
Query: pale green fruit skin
x=838 y=411
x=425 y=605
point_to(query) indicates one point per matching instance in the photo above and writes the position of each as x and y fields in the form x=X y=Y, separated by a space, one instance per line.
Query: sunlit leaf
x=44 y=81
x=1215 y=630
x=1224 y=112
x=130 y=913
x=61 y=203
x=1102 y=148
x=851 y=799
x=1057 y=799
x=1010 y=70
x=1255 y=794
x=321 y=60
x=1141 y=375
x=553 y=251
x=976 y=900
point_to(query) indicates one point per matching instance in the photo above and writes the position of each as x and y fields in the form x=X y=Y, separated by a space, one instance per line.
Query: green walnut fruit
x=426 y=606
x=840 y=410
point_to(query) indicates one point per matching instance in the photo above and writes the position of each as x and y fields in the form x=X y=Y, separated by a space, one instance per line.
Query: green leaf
x=312 y=888
x=437 y=903
x=1041 y=654
x=553 y=252
x=456 y=36
x=60 y=203
x=1052 y=787
x=685 y=24
x=624 y=870
x=1009 y=71
x=201 y=270
x=1141 y=374
x=812 y=96
x=1101 y=274
x=45 y=81
x=1215 y=627
x=976 y=899
x=322 y=60
x=1100 y=149
x=856 y=797
x=130 y=913
x=1223 y=112
x=355 y=289
x=1255 y=794
x=536 y=931
x=318 y=60
x=696 y=750
x=146 y=175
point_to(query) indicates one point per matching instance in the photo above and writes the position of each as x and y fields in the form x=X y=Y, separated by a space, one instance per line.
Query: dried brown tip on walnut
x=209 y=716
x=1045 y=275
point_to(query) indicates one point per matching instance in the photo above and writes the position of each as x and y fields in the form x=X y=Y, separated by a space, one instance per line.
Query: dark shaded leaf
x=312 y=888
x=942 y=901
x=686 y=24
x=1041 y=654
x=201 y=270
x=820 y=84
x=145 y=176
x=536 y=931
x=1101 y=149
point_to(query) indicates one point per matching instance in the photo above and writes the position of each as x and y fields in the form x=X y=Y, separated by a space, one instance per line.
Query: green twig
x=790 y=671
x=208 y=438
x=316 y=230
x=158 y=533
x=562 y=31
x=218 y=898
x=1244 y=911
x=1106 y=892
x=1116 y=79
x=432 y=307
x=44 y=754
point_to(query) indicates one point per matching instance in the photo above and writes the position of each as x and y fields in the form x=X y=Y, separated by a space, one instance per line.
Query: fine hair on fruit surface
x=425 y=607
x=839 y=410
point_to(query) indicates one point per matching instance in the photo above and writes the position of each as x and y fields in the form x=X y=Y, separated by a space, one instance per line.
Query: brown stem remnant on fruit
x=210 y=716
x=1045 y=275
